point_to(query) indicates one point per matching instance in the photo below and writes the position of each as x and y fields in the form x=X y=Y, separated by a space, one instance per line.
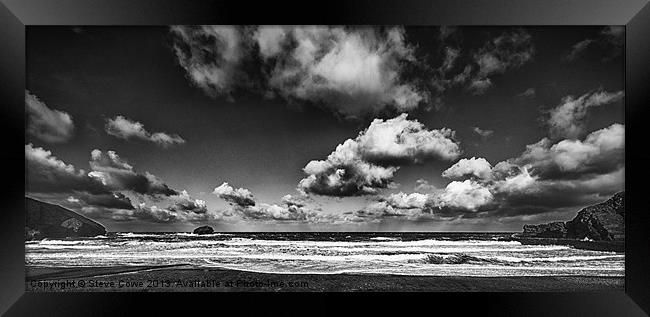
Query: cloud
x=482 y=133
x=610 y=41
x=547 y=177
x=49 y=177
x=368 y=163
x=423 y=186
x=407 y=201
x=115 y=173
x=567 y=119
x=340 y=177
x=271 y=39
x=124 y=128
x=184 y=203
x=528 y=93
x=211 y=56
x=45 y=173
x=467 y=195
x=510 y=50
x=52 y=126
x=243 y=204
x=353 y=71
x=600 y=152
x=114 y=200
x=578 y=48
x=239 y=197
x=102 y=192
x=473 y=167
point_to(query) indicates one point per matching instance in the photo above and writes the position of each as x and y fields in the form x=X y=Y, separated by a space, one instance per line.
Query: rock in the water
x=204 y=230
x=546 y=230
x=43 y=220
x=604 y=221
x=600 y=222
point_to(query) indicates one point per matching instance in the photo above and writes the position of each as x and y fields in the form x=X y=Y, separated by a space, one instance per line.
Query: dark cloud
x=115 y=173
x=98 y=193
x=110 y=201
x=211 y=56
x=52 y=126
x=45 y=173
x=528 y=93
x=510 y=50
x=609 y=41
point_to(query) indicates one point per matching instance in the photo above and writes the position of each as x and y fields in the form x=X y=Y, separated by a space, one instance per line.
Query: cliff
x=43 y=220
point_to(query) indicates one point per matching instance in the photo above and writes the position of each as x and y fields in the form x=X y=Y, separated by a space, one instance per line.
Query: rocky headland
x=43 y=220
x=598 y=227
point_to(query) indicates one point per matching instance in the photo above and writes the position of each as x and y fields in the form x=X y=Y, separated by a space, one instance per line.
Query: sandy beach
x=184 y=278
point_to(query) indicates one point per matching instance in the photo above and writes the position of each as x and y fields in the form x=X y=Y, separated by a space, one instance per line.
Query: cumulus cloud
x=568 y=119
x=184 y=203
x=124 y=128
x=473 y=167
x=242 y=201
x=49 y=125
x=546 y=177
x=117 y=174
x=467 y=195
x=610 y=41
x=353 y=71
x=407 y=201
x=423 y=186
x=368 y=163
x=239 y=197
x=600 y=152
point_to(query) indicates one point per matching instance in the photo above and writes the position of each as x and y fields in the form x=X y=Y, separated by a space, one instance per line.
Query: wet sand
x=185 y=278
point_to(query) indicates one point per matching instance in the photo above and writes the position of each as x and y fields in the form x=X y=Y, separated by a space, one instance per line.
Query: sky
x=324 y=128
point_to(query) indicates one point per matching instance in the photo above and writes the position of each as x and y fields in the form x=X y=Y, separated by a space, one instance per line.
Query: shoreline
x=186 y=278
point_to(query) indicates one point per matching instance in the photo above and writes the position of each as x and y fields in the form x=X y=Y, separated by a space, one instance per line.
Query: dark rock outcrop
x=600 y=222
x=546 y=230
x=43 y=220
x=203 y=230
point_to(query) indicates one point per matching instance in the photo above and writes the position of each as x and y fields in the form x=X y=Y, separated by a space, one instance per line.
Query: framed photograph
x=209 y=151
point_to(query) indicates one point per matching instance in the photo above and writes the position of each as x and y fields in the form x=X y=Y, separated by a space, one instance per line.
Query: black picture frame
x=634 y=14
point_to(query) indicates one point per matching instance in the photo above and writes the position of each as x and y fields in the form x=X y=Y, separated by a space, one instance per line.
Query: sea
x=430 y=254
